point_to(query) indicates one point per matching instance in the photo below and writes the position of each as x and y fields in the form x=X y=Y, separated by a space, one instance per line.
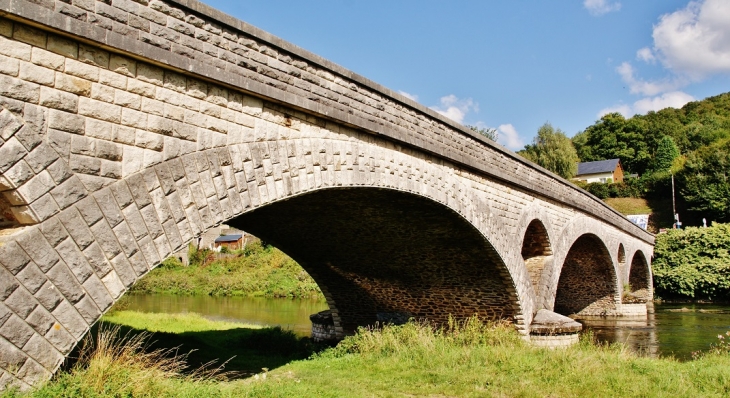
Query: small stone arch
x=536 y=251
x=640 y=278
x=588 y=284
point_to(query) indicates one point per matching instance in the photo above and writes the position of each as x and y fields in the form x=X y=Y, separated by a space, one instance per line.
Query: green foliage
x=693 y=263
x=256 y=270
x=615 y=137
x=553 y=150
x=704 y=182
x=637 y=140
x=666 y=152
x=629 y=188
x=490 y=133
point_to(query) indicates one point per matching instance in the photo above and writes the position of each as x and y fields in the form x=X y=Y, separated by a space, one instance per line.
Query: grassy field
x=471 y=359
x=258 y=270
x=660 y=210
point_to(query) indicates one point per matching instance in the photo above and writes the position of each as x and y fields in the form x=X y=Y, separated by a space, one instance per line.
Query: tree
x=488 y=132
x=666 y=152
x=553 y=150
x=704 y=182
x=616 y=137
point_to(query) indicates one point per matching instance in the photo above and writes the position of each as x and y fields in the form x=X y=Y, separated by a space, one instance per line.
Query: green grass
x=471 y=359
x=256 y=271
x=627 y=206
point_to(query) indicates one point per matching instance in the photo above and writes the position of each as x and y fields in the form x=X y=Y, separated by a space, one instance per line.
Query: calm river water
x=672 y=329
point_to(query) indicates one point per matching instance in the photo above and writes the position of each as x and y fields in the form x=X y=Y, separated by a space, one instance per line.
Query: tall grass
x=461 y=359
x=420 y=335
x=114 y=364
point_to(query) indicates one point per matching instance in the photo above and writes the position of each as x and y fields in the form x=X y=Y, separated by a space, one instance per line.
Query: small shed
x=232 y=242
x=602 y=171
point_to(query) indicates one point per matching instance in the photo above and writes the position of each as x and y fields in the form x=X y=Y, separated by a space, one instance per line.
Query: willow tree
x=553 y=150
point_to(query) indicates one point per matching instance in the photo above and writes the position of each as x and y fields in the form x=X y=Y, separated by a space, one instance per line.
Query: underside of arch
x=379 y=254
x=536 y=251
x=587 y=284
x=640 y=278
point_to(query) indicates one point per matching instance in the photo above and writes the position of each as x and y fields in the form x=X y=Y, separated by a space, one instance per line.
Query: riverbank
x=256 y=271
x=472 y=359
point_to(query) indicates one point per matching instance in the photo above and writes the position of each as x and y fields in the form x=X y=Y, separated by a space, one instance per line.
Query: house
x=603 y=171
x=232 y=242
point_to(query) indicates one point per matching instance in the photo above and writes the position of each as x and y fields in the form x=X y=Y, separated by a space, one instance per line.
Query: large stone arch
x=66 y=271
x=380 y=253
x=588 y=283
x=577 y=227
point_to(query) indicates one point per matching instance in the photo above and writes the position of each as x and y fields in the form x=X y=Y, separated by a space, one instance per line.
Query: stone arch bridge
x=128 y=128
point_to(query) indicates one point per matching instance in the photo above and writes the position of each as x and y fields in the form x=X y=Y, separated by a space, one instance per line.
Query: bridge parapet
x=190 y=36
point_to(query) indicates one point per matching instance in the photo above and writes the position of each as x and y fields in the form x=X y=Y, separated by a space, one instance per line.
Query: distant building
x=602 y=171
x=232 y=242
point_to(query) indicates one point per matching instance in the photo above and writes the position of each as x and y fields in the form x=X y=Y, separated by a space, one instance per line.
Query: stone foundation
x=554 y=341
x=551 y=330
x=323 y=327
x=634 y=310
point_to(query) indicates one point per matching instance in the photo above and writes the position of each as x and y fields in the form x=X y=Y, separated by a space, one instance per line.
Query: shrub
x=693 y=263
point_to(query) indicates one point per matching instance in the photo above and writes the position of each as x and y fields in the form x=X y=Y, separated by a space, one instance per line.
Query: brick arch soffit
x=478 y=214
x=579 y=226
x=530 y=214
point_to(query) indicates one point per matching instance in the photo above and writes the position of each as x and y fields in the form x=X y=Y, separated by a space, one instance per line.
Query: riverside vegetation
x=257 y=270
x=470 y=358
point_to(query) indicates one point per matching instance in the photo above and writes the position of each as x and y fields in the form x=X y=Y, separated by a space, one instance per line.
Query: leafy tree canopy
x=488 y=132
x=553 y=150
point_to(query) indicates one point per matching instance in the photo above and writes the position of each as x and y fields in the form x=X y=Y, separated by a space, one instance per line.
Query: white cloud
x=674 y=99
x=645 y=54
x=600 y=7
x=621 y=108
x=412 y=97
x=455 y=108
x=639 y=86
x=508 y=136
x=695 y=41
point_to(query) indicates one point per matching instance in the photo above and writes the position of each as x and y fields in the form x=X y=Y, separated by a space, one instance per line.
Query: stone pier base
x=323 y=327
x=553 y=330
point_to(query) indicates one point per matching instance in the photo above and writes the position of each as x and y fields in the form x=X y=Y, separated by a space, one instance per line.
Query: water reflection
x=669 y=330
x=288 y=314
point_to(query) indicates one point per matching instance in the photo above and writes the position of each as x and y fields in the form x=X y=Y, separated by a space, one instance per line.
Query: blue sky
x=514 y=65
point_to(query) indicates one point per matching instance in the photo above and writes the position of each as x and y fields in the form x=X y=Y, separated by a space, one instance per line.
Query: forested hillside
x=693 y=143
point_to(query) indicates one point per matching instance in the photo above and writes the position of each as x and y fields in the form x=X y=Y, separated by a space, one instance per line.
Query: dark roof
x=600 y=166
x=228 y=238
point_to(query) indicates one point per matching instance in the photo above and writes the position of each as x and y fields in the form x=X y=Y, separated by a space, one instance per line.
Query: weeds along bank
x=257 y=270
x=470 y=359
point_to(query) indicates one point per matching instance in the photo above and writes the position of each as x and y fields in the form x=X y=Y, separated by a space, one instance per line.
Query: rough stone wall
x=109 y=162
x=640 y=278
x=588 y=283
x=536 y=250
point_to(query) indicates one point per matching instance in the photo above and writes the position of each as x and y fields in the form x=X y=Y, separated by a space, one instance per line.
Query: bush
x=693 y=263
x=599 y=189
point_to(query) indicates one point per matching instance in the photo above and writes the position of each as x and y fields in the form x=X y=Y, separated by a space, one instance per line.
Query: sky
x=516 y=65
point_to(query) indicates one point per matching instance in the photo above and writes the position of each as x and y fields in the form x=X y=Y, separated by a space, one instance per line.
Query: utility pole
x=674 y=207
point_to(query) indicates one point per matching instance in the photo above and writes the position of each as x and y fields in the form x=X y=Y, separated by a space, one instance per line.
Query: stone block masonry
x=127 y=129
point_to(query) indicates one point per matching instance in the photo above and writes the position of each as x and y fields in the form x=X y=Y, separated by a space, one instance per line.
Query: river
x=671 y=329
